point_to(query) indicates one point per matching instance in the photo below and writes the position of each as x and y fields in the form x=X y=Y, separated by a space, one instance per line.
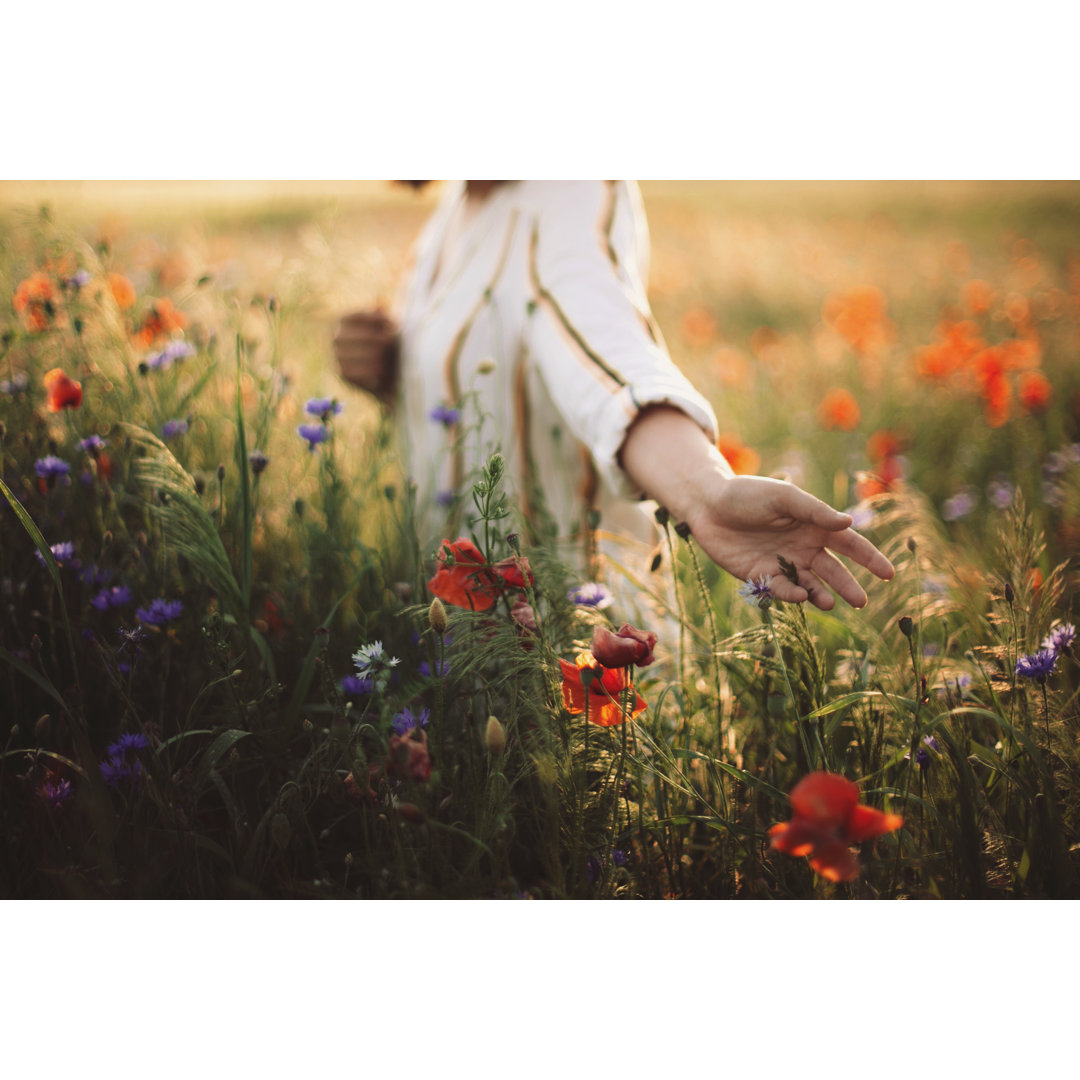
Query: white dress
x=525 y=328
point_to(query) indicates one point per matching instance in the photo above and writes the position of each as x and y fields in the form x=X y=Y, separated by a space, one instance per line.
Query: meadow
x=227 y=670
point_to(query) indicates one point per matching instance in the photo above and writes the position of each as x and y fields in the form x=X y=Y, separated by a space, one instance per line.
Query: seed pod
x=495 y=737
x=682 y=530
x=911 y=545
x=662 y=516
x=906 y=626
x=1010 y=596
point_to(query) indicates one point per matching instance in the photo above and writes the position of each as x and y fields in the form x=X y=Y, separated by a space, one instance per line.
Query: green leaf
x=33 y=675
x=214 y=752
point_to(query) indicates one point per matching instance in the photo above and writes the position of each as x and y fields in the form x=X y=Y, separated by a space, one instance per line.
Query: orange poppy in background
x=604 y=695
x=827 y=819
x=160 y=321
x=839 y=409
x=34 y=300
x=859 y=317
x=977 y=296
x=698 y=326
x=742 y=459
x=884 y=444
x=1035 y=391
x=62 y=390
x=960 y=342
x=123 y=292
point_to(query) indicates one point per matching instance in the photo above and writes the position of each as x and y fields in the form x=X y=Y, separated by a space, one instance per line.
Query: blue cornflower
x=1037 y=666
x=372 y=662
x=175 y=350
x=171 y=428
x=51 y=467
x=64 y=552
x=93 y=575
x=77 y=280
x=1060 y=638
x=354 y=686
x=126 y=742
x=404 y=721
x=922 y=756
x=159 y=612
x=314 y=433
x=117 y=596
x=16 y=385
x=92 y=444
x=443 y=414
x=441 y=666
x=618 y=857
x=960 y=505
x=757 y=592
x=55 y=794
x=445 y=499
x=1000 y=493
x=258 y=461
x=591 y=594
x=323 y=408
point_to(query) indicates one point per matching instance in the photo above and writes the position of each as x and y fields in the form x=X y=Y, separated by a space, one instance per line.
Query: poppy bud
x=221 y=472
x=657 y=559
x=682 y=530
x=494 y=737
x=1009 y=594
x=906 y=626
x=662 y=516
x=911 y=545
x=515 y=543
x=437 y=616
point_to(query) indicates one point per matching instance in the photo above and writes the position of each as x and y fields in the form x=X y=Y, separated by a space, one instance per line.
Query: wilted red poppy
x=63 y=391
x=409 y=756
x=626 y=646
x=35 y=300
x=827 y=819
x=839 y=409
x=605 y=693
x=514 y=571
x=742 y=459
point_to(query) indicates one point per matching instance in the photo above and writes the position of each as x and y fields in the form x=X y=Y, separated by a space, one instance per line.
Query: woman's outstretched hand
x=743 y=523
x=366 y=350
x=746 y=524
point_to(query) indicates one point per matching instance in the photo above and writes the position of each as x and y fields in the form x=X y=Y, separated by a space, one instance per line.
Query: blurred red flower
x=469 y=581
x=63 y=391
x=858 y=316
x=839 y=409
x=977 y=296
x=160 y=321
x=409 y=756
x=698 y=326
x=123 y=292
x=604 y=694
x=624 y=647
x=742 y=459
x=1035 y=391
x=960 y=342
x=34 y=301
x=827 y=818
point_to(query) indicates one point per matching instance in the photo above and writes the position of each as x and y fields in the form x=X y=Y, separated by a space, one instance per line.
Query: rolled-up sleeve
x=592 y=336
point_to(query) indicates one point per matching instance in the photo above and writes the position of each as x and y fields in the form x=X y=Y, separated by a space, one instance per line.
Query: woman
x=524 y=327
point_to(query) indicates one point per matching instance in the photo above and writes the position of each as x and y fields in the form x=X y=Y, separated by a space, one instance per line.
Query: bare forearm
x=671 y=459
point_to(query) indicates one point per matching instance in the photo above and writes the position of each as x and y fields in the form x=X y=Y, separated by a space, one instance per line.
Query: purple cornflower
x=63 y=553
x=960 y=505
x=258 y=461
x=1000 y=493
x=323 y=408
x=314 y=433
x=77 y=280
x=354 y=686
x=442 y=667
x=55 y=794
x=1060 y=638
x=92 y=444
x=17 y=384
x=129 y=741
x=171 y=428
x=922 y=756
x=117 y=596
x=618 y=857
x=175 y=350
x=445 y=499
x=159 y=612
x=94 y=575
x=51 y=467
x=443 y=414
x=404 y=721
x=1038 y=666
x=118 y=764
x=591 y=594
x=757 y=592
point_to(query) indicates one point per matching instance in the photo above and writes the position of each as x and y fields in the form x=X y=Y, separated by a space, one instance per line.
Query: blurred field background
x=908 y=351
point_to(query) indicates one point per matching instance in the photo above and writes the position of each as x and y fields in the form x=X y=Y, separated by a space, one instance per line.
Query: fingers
x=837 y=576
x=793 y=502
x=860 y=550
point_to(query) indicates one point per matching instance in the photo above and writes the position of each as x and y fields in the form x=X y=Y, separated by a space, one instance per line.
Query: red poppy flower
x=35 y=300
x=626 y=646
x=604 y=695
x=828 y=818
x=744 y=460
x=1035 y=391
x=122 y=290
x=839 y=409
x=160 y=321
x=469 y=582
x=64 y=392
x=409 y=756
x=514 y=571
x=859 y=318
